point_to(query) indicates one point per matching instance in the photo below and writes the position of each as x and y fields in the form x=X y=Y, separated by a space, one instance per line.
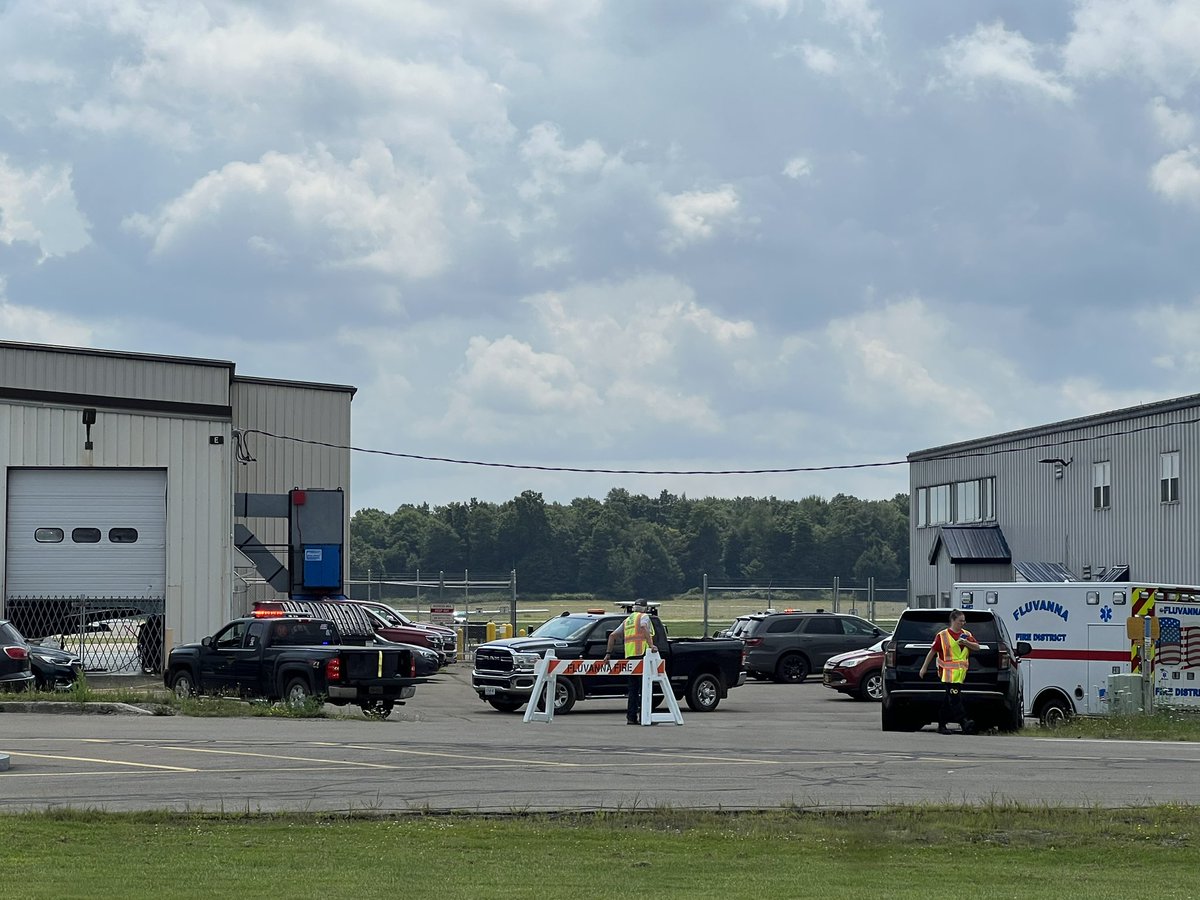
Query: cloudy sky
x=624 y=234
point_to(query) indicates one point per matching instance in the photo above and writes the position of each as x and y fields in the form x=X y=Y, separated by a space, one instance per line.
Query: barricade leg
x=543 y=689
x=654 y=672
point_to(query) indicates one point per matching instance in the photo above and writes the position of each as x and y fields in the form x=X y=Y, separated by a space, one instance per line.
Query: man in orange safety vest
x=950 y=648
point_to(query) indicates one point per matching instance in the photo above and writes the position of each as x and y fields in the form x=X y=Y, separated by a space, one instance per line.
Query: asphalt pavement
x=767 y=746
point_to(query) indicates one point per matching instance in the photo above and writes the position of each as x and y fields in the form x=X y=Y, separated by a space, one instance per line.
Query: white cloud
x=38 y=326
x=508 y=375
x=1174 y=330
x=1177 y=176
x=797 y=167
x=1174 y=126
x=858 y=17
x=694 y=216
x=779 y=7
x=550 y=161
x=895 y=357
x=38 y=206
x=1158 y=40
x=993 y=54
x=818 y=59
x=367 y=213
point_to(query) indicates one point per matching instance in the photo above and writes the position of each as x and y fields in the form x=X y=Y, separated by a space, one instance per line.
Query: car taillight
x=753 y=642
x=412 y=666
x=16 y=653
x=333 y=669
x=889 y=658
x=1002 y=663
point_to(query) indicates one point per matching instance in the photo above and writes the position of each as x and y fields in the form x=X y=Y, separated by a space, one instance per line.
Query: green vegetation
x=993 y=851
x=631 y=545
x=1163 y=725
x=163 y=702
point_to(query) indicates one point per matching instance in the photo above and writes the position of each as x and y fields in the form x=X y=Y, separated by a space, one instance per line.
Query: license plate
x=489 y=690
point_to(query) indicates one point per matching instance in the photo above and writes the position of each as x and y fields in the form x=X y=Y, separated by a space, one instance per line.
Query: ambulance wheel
x=1054 y=712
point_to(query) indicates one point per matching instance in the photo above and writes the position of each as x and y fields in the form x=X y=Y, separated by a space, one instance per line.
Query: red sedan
x=858 y=673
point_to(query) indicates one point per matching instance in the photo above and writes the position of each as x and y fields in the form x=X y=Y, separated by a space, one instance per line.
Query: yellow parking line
x=106 y=762
x=448 y=755
x=275 y=757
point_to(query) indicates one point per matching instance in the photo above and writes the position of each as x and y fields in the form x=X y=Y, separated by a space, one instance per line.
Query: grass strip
x=994 y=851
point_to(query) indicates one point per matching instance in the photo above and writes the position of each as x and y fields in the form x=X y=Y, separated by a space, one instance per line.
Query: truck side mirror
x=1024 y=648
x=206 y=642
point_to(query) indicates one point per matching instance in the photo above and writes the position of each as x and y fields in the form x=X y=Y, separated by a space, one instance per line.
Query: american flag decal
x=1178 y=645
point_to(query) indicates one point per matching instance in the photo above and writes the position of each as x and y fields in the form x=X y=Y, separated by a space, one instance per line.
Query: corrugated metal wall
x=199 y=514
x=308 y=412
x=115 y=374
x=1048 y=519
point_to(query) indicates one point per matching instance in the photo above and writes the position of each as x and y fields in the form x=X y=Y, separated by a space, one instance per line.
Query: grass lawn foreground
x=994 y=851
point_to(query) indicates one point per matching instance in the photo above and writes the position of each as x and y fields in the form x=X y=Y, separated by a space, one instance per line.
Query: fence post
x=512 y=615
x=836 y=590
x=871 y=598
x=704 y=591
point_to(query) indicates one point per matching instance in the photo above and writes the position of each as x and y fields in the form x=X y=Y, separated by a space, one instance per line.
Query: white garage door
x=93 y=533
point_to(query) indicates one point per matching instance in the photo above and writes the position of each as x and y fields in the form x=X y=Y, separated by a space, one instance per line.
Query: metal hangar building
x=118 y=478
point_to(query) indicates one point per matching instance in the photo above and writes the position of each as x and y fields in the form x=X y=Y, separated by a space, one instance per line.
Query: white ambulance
x=1078 y=633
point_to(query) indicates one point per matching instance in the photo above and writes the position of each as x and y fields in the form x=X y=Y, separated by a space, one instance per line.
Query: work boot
x=942 y=729
x=968 y=726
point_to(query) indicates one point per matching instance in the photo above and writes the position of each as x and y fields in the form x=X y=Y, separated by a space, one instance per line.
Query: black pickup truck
x=701 y=670
x=293 y=659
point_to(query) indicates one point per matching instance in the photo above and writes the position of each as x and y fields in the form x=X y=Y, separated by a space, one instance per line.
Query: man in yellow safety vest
x=638 y=632
x=950 y=647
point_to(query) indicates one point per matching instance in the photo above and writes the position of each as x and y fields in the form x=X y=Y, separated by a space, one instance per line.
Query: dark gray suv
x=788 y=646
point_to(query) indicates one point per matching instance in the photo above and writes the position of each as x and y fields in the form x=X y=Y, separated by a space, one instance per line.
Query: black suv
x=991 y=692
x=788 y=646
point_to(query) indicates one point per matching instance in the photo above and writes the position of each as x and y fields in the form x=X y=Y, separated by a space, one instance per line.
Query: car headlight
x=525 y=661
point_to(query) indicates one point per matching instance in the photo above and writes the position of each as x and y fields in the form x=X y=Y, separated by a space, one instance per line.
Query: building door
x=93 y=535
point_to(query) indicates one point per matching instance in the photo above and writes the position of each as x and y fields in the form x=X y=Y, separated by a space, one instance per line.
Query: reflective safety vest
x=635 y=641
x=952 y=658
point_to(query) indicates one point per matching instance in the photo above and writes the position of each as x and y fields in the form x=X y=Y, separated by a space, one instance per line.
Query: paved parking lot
x=766 y=746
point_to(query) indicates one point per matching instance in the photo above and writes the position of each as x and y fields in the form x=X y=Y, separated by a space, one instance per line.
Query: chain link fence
x=729 y=599
x=113 y=636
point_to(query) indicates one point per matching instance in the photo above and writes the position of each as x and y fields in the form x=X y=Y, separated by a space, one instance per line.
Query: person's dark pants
x=633 y=710
x=952 y=707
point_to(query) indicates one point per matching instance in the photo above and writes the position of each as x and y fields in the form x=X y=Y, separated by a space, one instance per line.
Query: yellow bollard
x=521 y=632
x=508 y=629
x=491 y=631
x=462 y=639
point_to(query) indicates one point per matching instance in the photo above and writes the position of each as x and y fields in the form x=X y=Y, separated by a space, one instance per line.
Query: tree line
x=632 y=545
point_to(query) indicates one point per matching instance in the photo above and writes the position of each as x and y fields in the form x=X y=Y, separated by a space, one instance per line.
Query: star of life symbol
x=1106 y=614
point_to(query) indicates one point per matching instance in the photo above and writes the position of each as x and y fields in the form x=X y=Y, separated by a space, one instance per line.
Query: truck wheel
x=378 y=709
x=182 y=684
x=792 y=669
x=297 y=692
x=564 y=696
x=871 y=686
x=704 y=693
x=1054 y=712
x=505 y=705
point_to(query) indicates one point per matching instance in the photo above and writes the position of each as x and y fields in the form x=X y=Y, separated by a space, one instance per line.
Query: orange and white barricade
x=651 y=667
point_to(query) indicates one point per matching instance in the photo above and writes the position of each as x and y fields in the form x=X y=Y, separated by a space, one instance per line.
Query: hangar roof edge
x=1191 y=401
